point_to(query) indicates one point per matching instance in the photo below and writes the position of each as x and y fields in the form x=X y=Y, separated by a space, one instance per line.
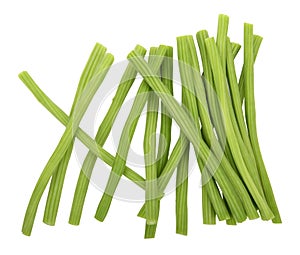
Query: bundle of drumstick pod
x=216 y=116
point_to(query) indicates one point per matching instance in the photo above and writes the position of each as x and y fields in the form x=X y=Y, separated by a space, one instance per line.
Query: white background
x=52 y=40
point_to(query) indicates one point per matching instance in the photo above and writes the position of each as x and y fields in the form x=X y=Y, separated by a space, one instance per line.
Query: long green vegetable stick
x=251 y=118
x=197 y=84
x=257 y=42
x=223 y=22
x=165 y=128
x=181 y=118
x=101 y=136
x=208 y=212
x=182 y=169
x=58 y=176
x=219 y=77
x=125 y=140
x=63 y=145
x=236 y=103
x=60 y=115
x=151 y=195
